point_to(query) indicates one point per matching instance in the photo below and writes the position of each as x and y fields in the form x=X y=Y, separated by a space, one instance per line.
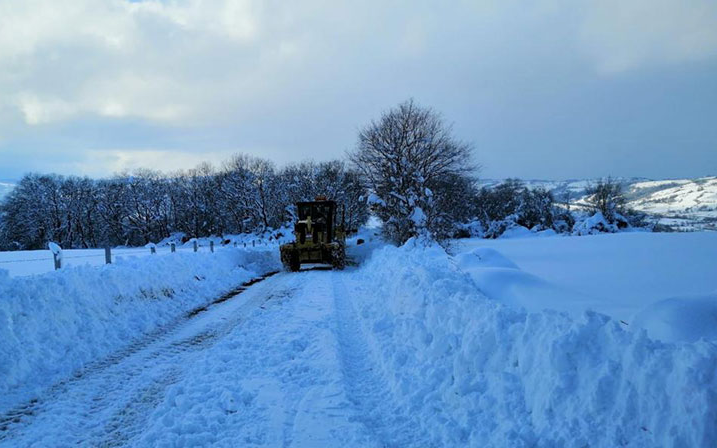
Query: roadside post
x=56 y=254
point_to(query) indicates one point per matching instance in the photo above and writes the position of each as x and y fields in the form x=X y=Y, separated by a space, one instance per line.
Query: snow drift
x=502 y=280
x=686 y=318
x=52 y=324
x=480 y=373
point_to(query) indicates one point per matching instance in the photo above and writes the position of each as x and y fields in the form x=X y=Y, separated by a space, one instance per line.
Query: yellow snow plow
x=319 y=237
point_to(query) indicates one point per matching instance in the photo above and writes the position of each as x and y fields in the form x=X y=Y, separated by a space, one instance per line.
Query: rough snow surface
x=407 y=350
x=475 y=372
x=53 y=324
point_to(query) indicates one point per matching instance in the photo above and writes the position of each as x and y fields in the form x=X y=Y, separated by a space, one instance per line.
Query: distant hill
x=686 y=204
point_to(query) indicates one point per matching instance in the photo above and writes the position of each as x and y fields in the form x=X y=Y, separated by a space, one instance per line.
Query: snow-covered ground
x=54 y=324
x=616 y=274
x=411 y=348
x=684 y=204
x=31 y=262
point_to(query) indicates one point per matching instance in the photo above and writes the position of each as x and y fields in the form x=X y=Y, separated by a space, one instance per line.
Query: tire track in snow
x=106 y=405
x=365 y=387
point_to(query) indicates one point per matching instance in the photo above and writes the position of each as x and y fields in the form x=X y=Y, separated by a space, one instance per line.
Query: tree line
x=244 y=194
x=406 y=168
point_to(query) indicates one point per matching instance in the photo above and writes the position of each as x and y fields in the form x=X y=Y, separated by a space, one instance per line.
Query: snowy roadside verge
x=477 y=372
x=53 y=324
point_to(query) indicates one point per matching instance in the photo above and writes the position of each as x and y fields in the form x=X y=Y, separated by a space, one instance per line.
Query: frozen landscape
x=316 y=224
x=532 y=341
x=683 y=204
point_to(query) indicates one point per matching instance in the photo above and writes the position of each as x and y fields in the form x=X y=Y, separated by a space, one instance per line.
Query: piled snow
x=476 y=372
x=516 y=232
x=54 y=323
x=592 y=225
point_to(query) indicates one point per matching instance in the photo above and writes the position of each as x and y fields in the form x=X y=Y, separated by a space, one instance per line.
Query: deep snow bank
x=480 y=373
x=52 y=324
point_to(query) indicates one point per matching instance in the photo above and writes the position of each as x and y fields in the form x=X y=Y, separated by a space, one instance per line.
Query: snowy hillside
x=685 y=204
x=682 y=202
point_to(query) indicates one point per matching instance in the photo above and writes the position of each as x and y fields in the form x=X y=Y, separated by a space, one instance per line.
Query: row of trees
x=511 y=204
x=246 y=194
x=420 y=179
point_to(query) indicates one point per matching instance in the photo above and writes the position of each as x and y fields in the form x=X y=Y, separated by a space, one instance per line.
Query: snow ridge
x=506 y=377
x=54 y=324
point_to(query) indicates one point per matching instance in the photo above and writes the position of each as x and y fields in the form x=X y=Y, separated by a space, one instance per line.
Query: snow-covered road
x=282 y=364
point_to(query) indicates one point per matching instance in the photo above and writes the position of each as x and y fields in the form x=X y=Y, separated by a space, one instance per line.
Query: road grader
x=319 y=237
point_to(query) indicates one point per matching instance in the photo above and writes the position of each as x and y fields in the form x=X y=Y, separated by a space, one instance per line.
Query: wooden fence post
x=152 y=250
x=58 y=261
x=253 y=243
x=173 y=247
x=211 y=246
x=195 y=245
x=108 y=255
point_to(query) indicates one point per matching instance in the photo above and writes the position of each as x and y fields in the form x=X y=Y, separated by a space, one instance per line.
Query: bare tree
x=406 y=158
x=607 y=197
x=246 y=194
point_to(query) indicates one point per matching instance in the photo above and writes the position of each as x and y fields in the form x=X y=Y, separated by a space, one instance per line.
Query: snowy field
x=490 y=346
x=624 y=275
x=31 y=262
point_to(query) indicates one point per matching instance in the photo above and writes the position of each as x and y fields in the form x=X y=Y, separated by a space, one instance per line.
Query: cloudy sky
x=547 y=89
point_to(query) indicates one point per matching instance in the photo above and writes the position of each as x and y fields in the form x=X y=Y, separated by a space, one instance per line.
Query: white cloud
x=292 y=77
x=182 y=61
x=120 y=160
x=163 y=61
x=39 y=111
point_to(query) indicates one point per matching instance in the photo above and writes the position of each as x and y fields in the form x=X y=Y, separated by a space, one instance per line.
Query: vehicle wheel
x=294 y=264
x=338 y=257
